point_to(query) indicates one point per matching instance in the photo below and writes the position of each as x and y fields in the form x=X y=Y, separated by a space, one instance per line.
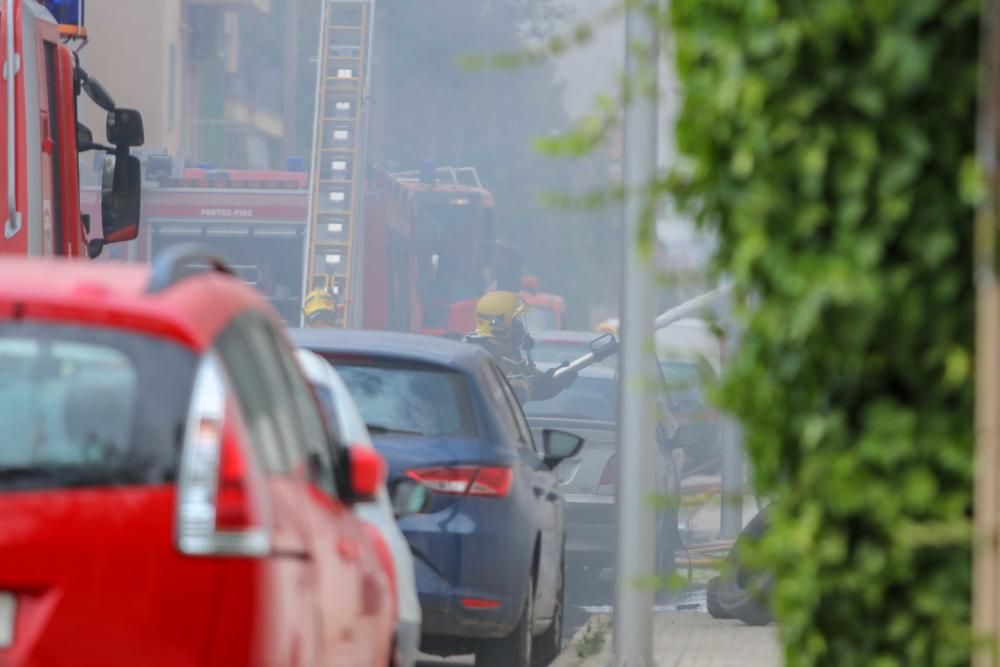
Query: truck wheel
x=514 y=650
x=742 y=592
x=548 y=645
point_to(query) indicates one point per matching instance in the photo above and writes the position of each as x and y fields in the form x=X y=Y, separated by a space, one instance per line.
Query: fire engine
x=43 y=138
x=429 y=249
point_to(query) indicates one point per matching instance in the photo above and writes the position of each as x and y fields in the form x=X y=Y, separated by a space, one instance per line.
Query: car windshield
x=592 y=399
x=89 y=406
x=409 y=400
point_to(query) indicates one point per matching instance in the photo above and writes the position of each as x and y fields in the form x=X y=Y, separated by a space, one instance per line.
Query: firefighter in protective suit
x=501 y=332
x=320 y=309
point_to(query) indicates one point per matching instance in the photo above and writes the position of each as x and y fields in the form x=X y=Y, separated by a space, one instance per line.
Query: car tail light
x=220 y=507
x=481 y=603
x=483 y=481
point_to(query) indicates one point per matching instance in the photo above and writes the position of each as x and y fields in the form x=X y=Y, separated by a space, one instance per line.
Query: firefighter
x=320 y=309
x=501 y=332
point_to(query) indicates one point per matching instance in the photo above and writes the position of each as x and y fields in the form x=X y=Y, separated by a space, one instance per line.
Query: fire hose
x=604 y=346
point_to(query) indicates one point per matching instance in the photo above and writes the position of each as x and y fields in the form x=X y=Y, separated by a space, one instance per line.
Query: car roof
x=411 y=347
x=74 y=291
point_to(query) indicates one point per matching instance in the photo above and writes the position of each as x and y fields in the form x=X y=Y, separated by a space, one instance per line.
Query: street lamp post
x=635 y=561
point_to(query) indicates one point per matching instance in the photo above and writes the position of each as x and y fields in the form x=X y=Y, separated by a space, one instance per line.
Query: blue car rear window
x=408 y=400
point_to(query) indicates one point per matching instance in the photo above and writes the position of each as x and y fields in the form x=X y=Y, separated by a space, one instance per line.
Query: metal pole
x=733 y=462
x=733 y=455
x=986 y=559
x=635 y=561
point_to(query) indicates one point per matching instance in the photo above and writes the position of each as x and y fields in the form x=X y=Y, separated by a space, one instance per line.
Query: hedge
x=825 y=141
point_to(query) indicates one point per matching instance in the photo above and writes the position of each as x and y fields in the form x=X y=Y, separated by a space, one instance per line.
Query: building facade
x=226 y=83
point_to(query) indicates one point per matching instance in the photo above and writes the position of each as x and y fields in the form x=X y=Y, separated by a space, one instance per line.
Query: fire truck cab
x=42 y=137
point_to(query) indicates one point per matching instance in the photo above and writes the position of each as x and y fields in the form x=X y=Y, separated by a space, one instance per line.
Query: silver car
x=588 y=408
x=346 y=422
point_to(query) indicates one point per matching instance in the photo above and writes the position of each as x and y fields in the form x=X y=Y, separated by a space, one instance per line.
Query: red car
x=168 y=491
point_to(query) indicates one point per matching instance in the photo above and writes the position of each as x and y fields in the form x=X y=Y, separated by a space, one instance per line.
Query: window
x=505 y=404
x=557 y=351
x=84 y=406
x=250 y=387
x=55 y=215
x=513 y=407
x=594 y=399
x=326 y=403
x=411 y=400
x=310 y=433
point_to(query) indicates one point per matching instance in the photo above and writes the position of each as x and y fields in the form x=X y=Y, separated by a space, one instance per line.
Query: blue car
x=489 y=553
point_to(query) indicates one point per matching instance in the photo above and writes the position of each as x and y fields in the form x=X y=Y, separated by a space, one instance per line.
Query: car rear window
x=86 y=406
x=592 y=399
x=406 y=399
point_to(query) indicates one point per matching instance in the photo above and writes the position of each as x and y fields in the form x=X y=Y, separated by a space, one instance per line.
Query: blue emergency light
x=66 y=12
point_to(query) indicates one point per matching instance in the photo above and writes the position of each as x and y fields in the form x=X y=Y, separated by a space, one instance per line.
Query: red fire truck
x=429 y=249
x=42 y=137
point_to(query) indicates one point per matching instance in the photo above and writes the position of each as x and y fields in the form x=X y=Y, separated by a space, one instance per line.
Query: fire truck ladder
x=334 y=234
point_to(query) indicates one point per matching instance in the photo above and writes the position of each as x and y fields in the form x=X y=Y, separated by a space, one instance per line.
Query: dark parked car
x=489 y=554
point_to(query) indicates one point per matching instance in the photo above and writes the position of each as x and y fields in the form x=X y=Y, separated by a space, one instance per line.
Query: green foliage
x=827 y=143
x=593 y=640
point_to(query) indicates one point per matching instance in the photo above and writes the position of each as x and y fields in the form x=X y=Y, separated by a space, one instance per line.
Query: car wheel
x=514 y=650
x=548 y=645
x=712 y=599
x=743 y=592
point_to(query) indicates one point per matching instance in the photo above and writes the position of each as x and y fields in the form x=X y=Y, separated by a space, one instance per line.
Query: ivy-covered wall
x=826 y=140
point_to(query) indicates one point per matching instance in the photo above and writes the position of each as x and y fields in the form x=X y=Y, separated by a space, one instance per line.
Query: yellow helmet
x=608 y=327
x=320 y=308
x=496 y=312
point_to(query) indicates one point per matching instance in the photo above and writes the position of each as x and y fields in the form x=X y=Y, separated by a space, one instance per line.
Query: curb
x=581 y=650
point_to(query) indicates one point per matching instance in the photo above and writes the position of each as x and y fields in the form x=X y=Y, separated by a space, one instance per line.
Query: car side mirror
x=604 y=346
x=84 y=137
x=95 y=91
x=120 y=198
x=124 y=128
x=559 y=446
x=409 y=497
x=365 y=473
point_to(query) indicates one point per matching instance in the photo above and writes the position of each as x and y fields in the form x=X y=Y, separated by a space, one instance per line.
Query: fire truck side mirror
x=124 y=128
x=120 y=193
